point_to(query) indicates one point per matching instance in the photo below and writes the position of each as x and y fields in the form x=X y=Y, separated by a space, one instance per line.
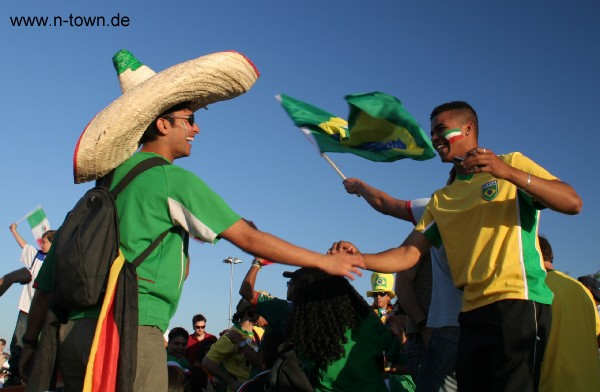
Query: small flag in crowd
x=39 y=223
x=378 y=129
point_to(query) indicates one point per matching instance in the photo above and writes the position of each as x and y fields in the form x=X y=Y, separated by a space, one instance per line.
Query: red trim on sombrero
x=109 y=141
x=77 y=149
x=256 y=71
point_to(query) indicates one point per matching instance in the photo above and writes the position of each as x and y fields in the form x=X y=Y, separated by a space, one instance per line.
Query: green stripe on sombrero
x=124 y=60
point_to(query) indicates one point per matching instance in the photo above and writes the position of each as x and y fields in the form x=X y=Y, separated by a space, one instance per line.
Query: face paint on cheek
x=453 y=135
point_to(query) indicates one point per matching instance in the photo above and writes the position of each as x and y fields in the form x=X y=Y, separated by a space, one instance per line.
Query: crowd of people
x=478 y=303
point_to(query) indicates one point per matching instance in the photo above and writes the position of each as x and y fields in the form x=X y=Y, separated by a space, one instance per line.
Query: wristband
x=242 y=344
x=256 y=263
x=31 y=342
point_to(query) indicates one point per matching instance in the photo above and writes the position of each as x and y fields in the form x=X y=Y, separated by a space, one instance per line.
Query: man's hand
x=343 y=260
x=354 y=186
x=20 y=240
x=482 y=160
x=343 y=247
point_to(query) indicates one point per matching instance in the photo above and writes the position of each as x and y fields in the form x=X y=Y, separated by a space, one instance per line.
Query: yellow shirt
x=489 y=229
x=571 y=359
x=230 y=356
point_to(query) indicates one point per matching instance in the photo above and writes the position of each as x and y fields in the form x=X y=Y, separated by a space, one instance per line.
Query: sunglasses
x=199 y=326
x=379 y=294
x=190 y=118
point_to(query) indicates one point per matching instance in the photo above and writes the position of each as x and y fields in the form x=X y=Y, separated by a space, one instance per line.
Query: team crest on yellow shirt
x=489 y=190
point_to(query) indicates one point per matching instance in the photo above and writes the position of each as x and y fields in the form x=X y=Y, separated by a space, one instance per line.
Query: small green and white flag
x=38 y=222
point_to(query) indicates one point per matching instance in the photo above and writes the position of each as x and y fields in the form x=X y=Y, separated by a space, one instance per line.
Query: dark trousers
x=502 y=345
x=16 y=344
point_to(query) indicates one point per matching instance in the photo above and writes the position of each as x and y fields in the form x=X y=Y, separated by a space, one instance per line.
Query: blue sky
x=529 y=68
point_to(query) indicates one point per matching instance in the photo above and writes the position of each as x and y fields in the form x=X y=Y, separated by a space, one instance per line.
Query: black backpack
x=286 y=374
x=87 y=243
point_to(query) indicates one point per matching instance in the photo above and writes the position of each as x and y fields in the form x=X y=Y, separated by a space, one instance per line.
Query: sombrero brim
x=113 y=134
x=390 y=293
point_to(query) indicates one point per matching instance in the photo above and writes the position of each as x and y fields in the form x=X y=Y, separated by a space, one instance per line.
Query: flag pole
x=333 y=165
x=338 y=171
x=29 y=213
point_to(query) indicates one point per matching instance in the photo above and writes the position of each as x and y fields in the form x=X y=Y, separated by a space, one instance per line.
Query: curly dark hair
x=325 y=307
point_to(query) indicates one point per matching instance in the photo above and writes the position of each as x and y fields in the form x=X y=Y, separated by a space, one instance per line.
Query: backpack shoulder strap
x=138 y=260
x=133 y=173
x=137 y=170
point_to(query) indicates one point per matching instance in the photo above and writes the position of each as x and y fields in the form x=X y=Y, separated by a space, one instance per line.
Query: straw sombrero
x=113 y=134
x=382 y=283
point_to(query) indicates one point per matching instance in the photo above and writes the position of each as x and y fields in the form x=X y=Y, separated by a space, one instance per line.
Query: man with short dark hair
x=487 y=220
x=199 y=340
x=198 y=344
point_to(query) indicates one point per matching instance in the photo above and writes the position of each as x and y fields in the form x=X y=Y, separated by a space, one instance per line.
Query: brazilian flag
x=378 y=128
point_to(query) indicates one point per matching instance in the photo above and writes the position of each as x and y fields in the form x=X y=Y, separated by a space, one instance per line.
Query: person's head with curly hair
x=325 y=307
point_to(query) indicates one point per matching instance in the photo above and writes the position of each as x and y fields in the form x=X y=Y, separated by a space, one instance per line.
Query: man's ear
x=162 y=125
x=468 y=128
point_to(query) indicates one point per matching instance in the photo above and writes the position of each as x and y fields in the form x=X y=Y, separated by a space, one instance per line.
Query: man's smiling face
x=439 y=125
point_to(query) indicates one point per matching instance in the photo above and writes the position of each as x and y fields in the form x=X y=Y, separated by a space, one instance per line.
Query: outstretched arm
x=247 y=288
x=378 y=199
x=15 y=233
x=392 y=260
x=554 y=194
x=22 y=275
x=265 y=245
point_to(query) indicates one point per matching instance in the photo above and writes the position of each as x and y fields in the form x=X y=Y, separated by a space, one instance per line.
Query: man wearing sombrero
x=156 y=115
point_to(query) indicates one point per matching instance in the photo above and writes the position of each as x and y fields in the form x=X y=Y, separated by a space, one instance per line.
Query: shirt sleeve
x=196 y=207
x=521 y=162
x=417 y=208
x=28 y=255
x=428 y=227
